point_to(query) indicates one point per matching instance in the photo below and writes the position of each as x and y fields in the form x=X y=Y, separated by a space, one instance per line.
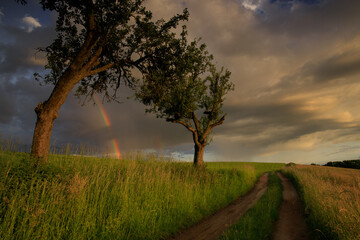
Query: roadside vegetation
x=258 y=222
x=331 y=198
x=139 y=197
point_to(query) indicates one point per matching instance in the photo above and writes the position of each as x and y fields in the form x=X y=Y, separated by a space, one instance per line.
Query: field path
x=291 y=223
x=213 y=226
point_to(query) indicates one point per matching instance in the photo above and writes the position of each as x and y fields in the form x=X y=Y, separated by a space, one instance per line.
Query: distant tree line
x=355 y=164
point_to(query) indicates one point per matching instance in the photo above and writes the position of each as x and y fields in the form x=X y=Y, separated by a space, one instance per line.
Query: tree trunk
x=199 y=155
x=42 y=133
x=47 y=112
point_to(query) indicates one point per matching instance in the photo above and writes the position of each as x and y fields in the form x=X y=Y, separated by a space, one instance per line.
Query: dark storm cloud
x=338 y=69
x=1 y=15
x=291 y=2
x=343 y=66
x=18 y=98
x=303 y=20
x=133 y=129
x=285 y=57
x=232 y=30
x=19 y=59
x=76 y=123
x=21 y=53
x=7 y=106
x=274 y=123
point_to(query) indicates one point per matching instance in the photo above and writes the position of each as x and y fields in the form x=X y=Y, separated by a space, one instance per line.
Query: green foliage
x=104 y=41
x=189 y=85
x=257 y=223
x=181 y=89
x=96 y=198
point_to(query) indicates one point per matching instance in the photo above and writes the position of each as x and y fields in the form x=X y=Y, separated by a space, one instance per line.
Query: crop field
x=98 y=198
x=332 y=200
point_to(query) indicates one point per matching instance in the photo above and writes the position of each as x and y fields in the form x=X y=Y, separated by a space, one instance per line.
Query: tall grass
x=101 y=198
x=332 y=200
x=257 y=223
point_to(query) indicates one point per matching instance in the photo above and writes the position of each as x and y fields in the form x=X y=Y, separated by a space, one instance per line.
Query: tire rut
x=291 y=223
x=211 y=228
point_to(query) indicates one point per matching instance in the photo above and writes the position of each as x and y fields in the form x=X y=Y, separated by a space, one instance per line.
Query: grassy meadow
x=332 y=200
x=145 y=197
x=138 y=197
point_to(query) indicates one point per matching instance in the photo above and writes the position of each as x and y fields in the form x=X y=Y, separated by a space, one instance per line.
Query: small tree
x=190 y=87
x=98 y=45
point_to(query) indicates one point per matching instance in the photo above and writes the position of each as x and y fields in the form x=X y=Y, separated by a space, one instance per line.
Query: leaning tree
x=191 y=92
x=99 y=44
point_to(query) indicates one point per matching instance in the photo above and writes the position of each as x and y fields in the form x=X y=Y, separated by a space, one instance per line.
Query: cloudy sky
x=295 y=65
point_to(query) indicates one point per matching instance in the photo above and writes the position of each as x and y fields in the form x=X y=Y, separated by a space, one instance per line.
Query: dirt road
x=291 y=223
x=213 y=226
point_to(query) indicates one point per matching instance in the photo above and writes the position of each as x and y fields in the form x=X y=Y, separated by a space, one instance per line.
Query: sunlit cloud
x=250 y=4
x=31 y=23
x=38 y=60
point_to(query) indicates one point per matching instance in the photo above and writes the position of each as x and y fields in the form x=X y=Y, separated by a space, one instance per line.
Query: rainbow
x=107 y=122
x=116 y=148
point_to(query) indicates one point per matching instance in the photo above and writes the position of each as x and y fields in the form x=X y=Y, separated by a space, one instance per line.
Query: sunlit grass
x=75 y=197
x=332 y=200
x=259 y=168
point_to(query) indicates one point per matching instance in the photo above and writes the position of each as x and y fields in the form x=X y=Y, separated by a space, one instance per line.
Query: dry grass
x=332 y=200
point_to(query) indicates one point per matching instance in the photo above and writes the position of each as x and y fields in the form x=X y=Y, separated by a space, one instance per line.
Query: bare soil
x=291 y=223
x=213 y=226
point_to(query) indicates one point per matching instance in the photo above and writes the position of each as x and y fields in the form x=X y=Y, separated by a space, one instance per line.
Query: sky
x=295 y=65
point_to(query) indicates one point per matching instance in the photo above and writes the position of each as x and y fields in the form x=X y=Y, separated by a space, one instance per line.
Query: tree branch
x=182 y=123
x=213 y=109
x=141 y=59
x=89 y=44
x=196 y=138
x=194 y=131
x=91 y=24
x=221 y=121
x=94 y=59
x=100 y=69
x=196 y=121
x=208 y=130
x=91 y=39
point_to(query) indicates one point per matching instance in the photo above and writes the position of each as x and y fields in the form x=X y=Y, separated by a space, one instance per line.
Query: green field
x=259 y=168
x=101 y=198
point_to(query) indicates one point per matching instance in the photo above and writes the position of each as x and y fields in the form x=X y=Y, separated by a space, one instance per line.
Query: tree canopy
x=117 y=37
x=190 y=87
x=99 y=44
